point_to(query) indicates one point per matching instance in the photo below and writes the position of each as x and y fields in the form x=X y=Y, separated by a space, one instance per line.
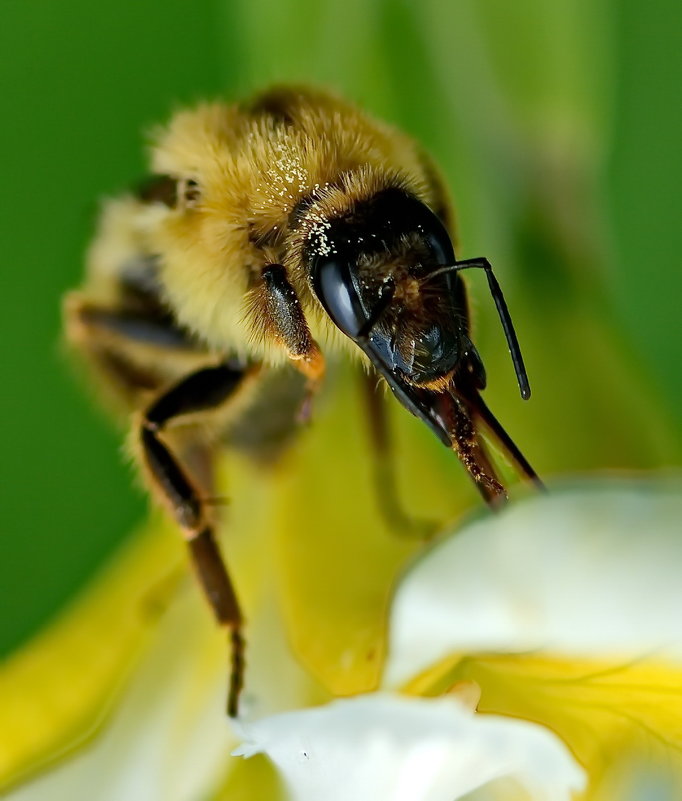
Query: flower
x=565 y=611
x=392 y=748
x=562 y=610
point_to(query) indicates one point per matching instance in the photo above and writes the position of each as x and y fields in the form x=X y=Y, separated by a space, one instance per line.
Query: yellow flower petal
x=168 y=735
x=601 y=709
x=338 y=559
x=74 y=687
x=251 y=780
x=56 y=691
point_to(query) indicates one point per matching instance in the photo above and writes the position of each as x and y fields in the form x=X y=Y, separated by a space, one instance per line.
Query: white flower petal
x=588 y=572
x=391 y=748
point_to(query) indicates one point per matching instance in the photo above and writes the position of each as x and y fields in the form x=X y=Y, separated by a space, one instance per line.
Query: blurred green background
x=557 y=126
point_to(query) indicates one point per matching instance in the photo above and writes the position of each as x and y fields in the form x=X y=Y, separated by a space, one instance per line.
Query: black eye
x=334 y=286
x=436 y=237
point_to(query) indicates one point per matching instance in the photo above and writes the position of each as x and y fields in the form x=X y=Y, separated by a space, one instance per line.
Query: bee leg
x=134 y=356
x=200 y=391
x=473 y=454
x=286 y=323
x=381 y=447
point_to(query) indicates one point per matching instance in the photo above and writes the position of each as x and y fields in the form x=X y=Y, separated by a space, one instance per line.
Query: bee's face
x=377 y=285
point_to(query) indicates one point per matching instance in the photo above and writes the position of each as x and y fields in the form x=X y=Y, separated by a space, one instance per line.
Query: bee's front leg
x=470 y=448
x=201 y=391
x=283 y=321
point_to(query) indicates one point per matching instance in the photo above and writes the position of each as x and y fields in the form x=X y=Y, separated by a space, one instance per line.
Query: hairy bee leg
x=496 y=494
x=200 y=391
x=113 y=339
x=287 y=324
x=130 y=352
x=133 y=328
x=382 y=462
x=471 y=451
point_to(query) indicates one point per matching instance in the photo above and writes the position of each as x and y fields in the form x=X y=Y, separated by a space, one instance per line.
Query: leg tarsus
x=237 y=646
x=215 y=581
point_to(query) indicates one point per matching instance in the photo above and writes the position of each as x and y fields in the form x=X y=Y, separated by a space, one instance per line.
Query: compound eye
x=433 y=233
x=334 y=286
x=438 y=241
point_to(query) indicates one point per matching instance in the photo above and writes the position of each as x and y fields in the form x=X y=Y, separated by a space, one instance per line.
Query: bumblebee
x=266 y=228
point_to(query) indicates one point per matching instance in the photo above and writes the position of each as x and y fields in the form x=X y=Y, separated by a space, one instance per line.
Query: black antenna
x=502 y=310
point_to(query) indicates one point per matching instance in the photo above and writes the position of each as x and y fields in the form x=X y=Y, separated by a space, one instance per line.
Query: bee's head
x=374 y=276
